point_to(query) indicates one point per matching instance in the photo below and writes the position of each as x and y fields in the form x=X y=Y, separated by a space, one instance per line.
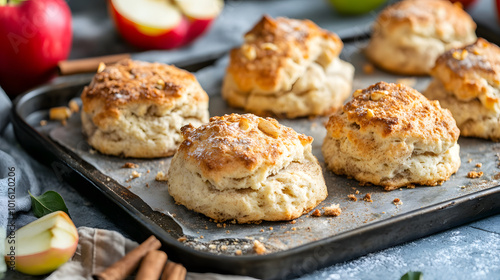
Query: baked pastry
x=409 y=35
x=136 y=109
x=391 y=135
x=246 y=168
x=288 y=68
x=467 y=82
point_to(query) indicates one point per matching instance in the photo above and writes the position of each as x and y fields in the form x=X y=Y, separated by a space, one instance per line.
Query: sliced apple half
x=163 y=24
x=43 y=245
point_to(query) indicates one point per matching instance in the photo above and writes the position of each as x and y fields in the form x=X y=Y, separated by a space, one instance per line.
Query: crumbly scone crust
x=246 y=168
x=291 y=63
x=391 y=135
x=409 y=35
x=136 y=109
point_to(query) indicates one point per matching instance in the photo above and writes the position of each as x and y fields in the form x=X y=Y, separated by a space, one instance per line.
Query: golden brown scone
x=467 y=82
x=288 y=67
x=408 y=36
x=246 y=168
x=136 y=109
x=391 y=135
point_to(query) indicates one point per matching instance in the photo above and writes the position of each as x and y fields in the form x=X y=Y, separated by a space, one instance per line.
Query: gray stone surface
x=467 y=252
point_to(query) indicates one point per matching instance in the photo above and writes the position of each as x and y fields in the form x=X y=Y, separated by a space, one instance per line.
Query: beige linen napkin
x=99 y=248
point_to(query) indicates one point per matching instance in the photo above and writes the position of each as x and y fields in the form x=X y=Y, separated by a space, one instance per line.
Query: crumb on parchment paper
x=160 y=176
x=332 y=210
x=474 y=174
x=397 y=201
x=352 y=197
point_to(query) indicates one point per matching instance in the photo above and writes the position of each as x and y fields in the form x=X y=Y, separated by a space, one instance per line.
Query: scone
x=288 y=68
x=408 y=36
x=391 y=135
x=467 y=82
x=246 y=168
x=136 y=109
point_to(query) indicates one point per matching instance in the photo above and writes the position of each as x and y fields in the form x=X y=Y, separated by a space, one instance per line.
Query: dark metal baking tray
x=480 y=199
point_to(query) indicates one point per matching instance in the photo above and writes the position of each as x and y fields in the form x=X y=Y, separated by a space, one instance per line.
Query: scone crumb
x=259 y=248
x=316 y=213
x=357 y=192
x=149 y=171
x=293 y=222
x=332 y=210
x=223 y=248
x=368 y=197
x=352 y=197
x=469 y=160
x=43 y=123
x=397 y=201
x=474 y=174
x=410 y=186
x=108 y=179
x=182 y=239
x=136 y=174
x=271 y=228
x=160 y=176
x=411 y=82
x=479 y=164
x=368 y=68
x=73 y=106
x=294 y=229
x=59 y=113
x=261 y=230
x=201 y=236
x=219 y=225
x=238 y=253
x=130 y=165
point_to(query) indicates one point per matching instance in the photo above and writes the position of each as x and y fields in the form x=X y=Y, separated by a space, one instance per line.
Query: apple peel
x=43 y=245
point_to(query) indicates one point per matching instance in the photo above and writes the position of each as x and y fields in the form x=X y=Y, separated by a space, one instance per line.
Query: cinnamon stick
x=174 y=271
x=126 y=265
x=86 y=65
x=152 y=265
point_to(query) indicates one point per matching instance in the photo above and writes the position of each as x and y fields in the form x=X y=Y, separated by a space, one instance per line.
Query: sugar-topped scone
x=246 y=168
x=467 y=82
x=409 y=35
x=288 y=68
x=391 y=135
x=136 y=109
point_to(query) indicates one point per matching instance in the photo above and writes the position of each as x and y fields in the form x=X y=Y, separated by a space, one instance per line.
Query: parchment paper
x=226 y=238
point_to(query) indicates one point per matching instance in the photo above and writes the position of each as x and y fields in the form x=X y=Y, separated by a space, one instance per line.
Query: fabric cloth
x=16 y=178
x=99 y=248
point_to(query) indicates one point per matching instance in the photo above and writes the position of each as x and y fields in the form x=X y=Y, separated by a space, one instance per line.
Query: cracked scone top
x=288 y=67
x=246 y=168
x=391 y=135
x=136 y=109
x=409 y=35
x=467 y=82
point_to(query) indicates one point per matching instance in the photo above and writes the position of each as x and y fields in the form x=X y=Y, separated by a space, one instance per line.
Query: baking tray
x=294 y=248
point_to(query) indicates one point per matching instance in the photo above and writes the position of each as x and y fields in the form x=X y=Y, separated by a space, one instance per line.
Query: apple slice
x=43 y=245
x=163 y=24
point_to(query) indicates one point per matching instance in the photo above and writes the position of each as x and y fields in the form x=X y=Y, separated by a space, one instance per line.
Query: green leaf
x=47 y=203
x=413 y=275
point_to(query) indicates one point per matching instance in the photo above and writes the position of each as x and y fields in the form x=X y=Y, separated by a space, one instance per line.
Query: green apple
x=43 y=245
x=355 y=7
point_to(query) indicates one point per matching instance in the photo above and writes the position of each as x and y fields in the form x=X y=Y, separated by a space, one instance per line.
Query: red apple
x=43 y=245
x=163 y=24
x=35 y=35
